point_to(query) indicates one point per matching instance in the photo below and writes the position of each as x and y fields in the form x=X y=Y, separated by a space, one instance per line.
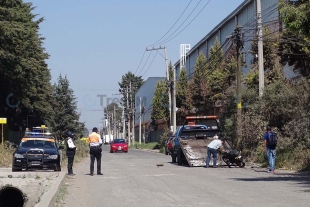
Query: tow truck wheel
x=179 y=157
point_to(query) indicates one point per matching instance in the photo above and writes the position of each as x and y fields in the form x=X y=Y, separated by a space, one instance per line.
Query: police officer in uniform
x=71 y=148
x=95 y=151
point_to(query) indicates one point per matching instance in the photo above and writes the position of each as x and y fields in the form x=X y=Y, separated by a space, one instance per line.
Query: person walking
x=212 y=149
x=270 y=143
x=95 y=144
x=70 y=152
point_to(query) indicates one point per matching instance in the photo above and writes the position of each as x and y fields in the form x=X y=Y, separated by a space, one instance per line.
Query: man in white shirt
x=212 y=149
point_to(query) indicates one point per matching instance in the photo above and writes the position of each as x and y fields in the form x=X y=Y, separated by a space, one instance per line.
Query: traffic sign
x=2 y=120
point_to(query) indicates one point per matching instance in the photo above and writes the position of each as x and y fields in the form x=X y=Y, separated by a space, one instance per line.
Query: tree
x=135 y=81
x=160 y=103
x=198 y=89
x=272 y=66
x=65 y=117
x=181 y=89
x=296 y=19
x=118 y=111
x=23 y=70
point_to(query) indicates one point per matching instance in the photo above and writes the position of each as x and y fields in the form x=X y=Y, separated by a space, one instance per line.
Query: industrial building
x=244 y=16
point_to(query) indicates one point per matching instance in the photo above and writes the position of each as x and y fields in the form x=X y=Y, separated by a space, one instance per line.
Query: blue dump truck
x=192 y=138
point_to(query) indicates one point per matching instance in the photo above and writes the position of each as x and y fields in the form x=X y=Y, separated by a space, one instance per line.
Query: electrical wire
x=180 y=25
x=140 y=61
x=150 y=63
x=172 y=25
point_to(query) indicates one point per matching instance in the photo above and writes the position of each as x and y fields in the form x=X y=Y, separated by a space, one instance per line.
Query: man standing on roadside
x=95 y=144
x=270 y=143
x=70 y=152
x=212 y=149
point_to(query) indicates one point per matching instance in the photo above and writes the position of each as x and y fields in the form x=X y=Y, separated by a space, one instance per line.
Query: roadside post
x=43 y=127
x=2 y=122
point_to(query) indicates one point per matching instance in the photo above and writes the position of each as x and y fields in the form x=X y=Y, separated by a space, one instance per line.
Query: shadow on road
x=302 y=179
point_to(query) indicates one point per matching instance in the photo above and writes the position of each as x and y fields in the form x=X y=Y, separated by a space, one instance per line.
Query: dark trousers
x=95 y=153
x=70 y=156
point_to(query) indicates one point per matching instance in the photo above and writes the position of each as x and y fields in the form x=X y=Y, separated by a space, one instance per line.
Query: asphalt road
x=134 y=179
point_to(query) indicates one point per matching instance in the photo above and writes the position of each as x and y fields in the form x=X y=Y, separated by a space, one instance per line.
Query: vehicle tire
x=58 y=169
x=16 y=170
x=174 y=159
x=179 y=157
x=126 y=151
x=111 y=151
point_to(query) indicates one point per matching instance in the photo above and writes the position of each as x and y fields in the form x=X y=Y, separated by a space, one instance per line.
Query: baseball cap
x=95 y=129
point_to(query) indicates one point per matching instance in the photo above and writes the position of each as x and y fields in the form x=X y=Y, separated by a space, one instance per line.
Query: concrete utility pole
x=239 y=46
x=140 y=109
x=109 y=125
x=174 y=103
x=124 y=122
x=133 y=114
x=260 y=48
x=129 y=142
x=167 y=77
x=114 y=123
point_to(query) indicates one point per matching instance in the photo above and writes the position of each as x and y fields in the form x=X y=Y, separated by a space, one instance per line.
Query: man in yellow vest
x=95 y=144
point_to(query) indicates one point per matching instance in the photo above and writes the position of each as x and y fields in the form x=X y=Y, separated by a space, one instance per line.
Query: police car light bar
x=37 y=133
x=201 y=117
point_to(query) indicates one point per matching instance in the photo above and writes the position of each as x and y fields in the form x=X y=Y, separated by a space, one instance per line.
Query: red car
x=118 y=145
x=168 y=145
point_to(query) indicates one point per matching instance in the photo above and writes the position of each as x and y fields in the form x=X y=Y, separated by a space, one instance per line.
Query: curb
x=49 y=198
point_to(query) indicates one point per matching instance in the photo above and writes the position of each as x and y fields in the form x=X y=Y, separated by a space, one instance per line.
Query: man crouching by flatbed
x=212 y=149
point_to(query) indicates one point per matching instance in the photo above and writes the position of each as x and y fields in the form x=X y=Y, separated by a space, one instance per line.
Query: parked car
x=168 y=145
x=37 y=151
x=118 y=145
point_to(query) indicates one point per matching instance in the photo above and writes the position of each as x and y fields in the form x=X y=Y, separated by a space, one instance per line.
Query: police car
x=37 y=151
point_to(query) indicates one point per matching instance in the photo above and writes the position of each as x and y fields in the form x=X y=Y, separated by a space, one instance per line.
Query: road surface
x=133 y=179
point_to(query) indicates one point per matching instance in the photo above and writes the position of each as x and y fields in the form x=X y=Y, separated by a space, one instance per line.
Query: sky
x=95 y=42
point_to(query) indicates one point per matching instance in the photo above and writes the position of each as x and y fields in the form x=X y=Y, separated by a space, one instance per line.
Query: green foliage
x=181 y=89
x=133 y=81
x=22 y=66
x=272 y=66
x=110 y=109
x=198 y=88
x=164 y=137
x=65 y=117
x=295 y=44
x=160 y=102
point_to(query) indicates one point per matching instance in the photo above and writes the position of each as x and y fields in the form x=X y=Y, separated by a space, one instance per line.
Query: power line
x=140 y=62
x=145 y=62
x=172 y=25
x=181 y=24
x=168 y=40
x=150 y=63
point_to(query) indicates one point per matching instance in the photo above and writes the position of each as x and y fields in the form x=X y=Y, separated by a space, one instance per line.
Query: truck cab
x=191 y=139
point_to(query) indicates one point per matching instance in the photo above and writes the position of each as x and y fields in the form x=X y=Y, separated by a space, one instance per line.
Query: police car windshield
x=37 y=144
x=119 y=141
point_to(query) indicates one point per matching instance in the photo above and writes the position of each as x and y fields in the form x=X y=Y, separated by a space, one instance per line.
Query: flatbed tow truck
x=191 y=140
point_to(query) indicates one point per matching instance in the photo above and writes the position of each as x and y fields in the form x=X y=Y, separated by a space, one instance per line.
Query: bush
x=6 y=156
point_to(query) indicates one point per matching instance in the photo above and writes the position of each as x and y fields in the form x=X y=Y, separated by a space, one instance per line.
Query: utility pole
x=109 y=126
x=260 y=48
x=133 y=114
x=140 y=116
x=124 y=122
x=167 y=77
x=239 y=46
x=129 y=117
x=143 y=126
x=114 y=123
x=174 y=103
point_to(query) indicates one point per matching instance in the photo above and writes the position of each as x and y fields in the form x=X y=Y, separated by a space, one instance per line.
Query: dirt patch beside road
x=32 y=184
